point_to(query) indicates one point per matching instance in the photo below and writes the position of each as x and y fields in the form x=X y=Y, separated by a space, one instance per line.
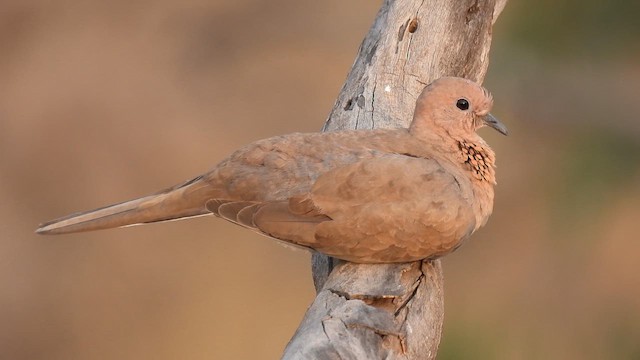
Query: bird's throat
x=479 y=160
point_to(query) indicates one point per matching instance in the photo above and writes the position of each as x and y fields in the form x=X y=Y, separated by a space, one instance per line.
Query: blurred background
x=101 y=101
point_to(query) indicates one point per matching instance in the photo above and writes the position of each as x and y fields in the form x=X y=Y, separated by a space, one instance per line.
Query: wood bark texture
x=392 y=311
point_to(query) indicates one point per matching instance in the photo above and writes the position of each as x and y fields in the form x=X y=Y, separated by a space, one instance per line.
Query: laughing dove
x=370 y=196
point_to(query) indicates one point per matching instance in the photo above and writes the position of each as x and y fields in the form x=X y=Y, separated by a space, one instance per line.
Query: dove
x=366 y=196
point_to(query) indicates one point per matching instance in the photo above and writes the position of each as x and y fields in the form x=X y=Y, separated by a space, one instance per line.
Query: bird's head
x=456 y=106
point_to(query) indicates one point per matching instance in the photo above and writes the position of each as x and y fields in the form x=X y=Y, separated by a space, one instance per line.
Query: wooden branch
x=393 y=311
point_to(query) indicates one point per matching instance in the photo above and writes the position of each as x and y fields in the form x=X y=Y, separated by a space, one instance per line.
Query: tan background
x=103 y=101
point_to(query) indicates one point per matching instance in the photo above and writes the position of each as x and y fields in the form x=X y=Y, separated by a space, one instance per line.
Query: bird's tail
x=182 y=201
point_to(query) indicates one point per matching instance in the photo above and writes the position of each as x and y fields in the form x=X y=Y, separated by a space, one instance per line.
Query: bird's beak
x=491 y=121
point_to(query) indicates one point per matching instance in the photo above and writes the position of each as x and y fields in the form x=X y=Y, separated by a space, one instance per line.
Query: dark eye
x=462 y=104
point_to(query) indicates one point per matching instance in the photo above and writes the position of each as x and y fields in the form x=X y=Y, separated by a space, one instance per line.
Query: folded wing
x=387 y=209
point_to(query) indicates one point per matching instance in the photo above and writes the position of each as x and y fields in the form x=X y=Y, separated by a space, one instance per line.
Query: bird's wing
x=387 y=209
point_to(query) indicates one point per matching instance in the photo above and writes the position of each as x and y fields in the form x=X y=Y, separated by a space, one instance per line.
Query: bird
x=364 y=196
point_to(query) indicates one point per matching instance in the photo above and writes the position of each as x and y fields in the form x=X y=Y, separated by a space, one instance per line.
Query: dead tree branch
x=393 y=311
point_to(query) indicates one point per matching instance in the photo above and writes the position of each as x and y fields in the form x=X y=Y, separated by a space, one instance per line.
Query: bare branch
x=393 y=311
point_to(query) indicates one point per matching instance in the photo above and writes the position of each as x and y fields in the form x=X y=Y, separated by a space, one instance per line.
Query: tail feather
x=184 y=201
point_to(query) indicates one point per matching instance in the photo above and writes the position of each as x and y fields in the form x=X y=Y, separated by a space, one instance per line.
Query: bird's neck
x=478 y=158
x=470 y=152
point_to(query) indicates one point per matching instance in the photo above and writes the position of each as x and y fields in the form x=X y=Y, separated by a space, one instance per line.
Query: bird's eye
x=462 y=104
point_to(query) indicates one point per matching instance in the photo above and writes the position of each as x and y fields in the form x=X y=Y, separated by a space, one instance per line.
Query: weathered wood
x=393 y=311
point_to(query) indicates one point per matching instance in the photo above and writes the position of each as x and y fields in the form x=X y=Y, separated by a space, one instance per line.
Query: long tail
x=182 y=201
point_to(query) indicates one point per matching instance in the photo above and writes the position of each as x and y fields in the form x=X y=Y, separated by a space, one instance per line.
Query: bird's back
x=283 y=166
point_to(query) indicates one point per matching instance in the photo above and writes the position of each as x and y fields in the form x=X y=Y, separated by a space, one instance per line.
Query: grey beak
x=491 y=121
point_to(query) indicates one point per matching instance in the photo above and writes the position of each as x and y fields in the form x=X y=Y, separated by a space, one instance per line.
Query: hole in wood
x=349 y=105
